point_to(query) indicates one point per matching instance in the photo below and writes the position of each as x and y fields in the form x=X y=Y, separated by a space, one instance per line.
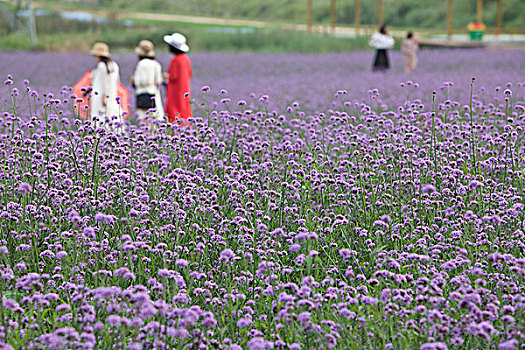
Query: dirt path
x=339 y=30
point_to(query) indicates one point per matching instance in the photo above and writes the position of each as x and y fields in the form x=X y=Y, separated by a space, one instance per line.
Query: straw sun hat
x=178 y=41
x=145 y=49
x=100 y=49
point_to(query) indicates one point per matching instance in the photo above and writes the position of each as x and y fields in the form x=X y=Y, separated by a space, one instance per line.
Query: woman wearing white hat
x=146 y=80
x=105 y=110
x=179 y=74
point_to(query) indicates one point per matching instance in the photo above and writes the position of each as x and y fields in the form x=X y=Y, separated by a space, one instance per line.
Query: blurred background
x=271 y=26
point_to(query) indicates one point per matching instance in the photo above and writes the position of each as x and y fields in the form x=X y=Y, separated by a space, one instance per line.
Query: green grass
x=258 y=40
x=55 y=33
x=419 y=14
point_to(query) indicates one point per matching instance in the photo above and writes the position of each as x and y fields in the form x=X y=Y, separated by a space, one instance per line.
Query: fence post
x=379 y=13
x=332 y=15
x=31 y=27
x=500 y=18
x=309 y=15
x=479 y=11
x=449 y=19
x=357 y=16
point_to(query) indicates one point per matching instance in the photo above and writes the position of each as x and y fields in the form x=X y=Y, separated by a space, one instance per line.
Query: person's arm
x=390 y=41
x=173 y=72
x=373 y=41
x=158 y=74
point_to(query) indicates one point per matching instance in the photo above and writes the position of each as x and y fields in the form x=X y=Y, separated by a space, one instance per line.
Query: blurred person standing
x=409 y=48
x=178 y=78
x=105 y=108
x=382 y=41
x=146 y=81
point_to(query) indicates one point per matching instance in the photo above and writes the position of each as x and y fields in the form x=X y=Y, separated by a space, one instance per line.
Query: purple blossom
x=511 y=344
x=428 y=189
x=434 y=346
x=24 y=188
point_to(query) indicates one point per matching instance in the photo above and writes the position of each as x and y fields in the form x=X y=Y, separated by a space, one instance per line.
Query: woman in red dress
x=178 y=77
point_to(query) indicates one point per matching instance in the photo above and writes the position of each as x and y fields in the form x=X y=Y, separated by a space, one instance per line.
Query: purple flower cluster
x=337 y=221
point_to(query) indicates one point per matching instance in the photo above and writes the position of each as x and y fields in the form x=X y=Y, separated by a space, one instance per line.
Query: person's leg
x=408 y=64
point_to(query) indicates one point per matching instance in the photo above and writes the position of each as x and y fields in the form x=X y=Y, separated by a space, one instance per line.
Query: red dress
x=178 y=89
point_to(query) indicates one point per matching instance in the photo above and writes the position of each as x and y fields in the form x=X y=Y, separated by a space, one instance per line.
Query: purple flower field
x=310 y=80
x=312 y=205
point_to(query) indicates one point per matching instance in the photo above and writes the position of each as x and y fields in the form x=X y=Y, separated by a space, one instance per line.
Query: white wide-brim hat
x=178 y=41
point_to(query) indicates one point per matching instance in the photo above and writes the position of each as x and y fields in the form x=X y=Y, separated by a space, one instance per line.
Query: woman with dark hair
x=409 y=49
x=146 y=80
x=382 y=41
x=178 y=78
x=105 y=110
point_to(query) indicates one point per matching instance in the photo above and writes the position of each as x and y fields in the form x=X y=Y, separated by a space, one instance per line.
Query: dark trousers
x=381 y=61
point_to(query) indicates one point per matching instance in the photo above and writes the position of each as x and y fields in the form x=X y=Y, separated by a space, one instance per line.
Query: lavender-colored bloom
x=63 y=307
x=474 y=184
x=258 y=343
x=434 y=346
x=227 y=254
x=148 y=310
x=24 y=188
x=294 y=247
x=345 y=253
x=304 y=316
x=244 y=322
x=511 y=344
x=114 y=320
x=181 y=263
x=428 y=189
x=135 y=346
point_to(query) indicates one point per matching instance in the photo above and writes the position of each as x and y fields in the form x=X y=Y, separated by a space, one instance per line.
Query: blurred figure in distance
x=146 y=81
x=178 y=78
x=409 y=48
x=382 y=41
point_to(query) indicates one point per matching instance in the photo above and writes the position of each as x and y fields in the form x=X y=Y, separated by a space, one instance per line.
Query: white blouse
x=105 y=87
x=147 y=78
x=381 y=41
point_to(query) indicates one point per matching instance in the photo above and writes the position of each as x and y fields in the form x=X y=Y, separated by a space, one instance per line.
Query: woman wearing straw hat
x=105 y=110
x=146 y=80
x=178 y=76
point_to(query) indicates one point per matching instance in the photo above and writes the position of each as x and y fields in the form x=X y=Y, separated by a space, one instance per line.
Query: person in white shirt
x=382 y=41
x=105 y=109
x=146 y=80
